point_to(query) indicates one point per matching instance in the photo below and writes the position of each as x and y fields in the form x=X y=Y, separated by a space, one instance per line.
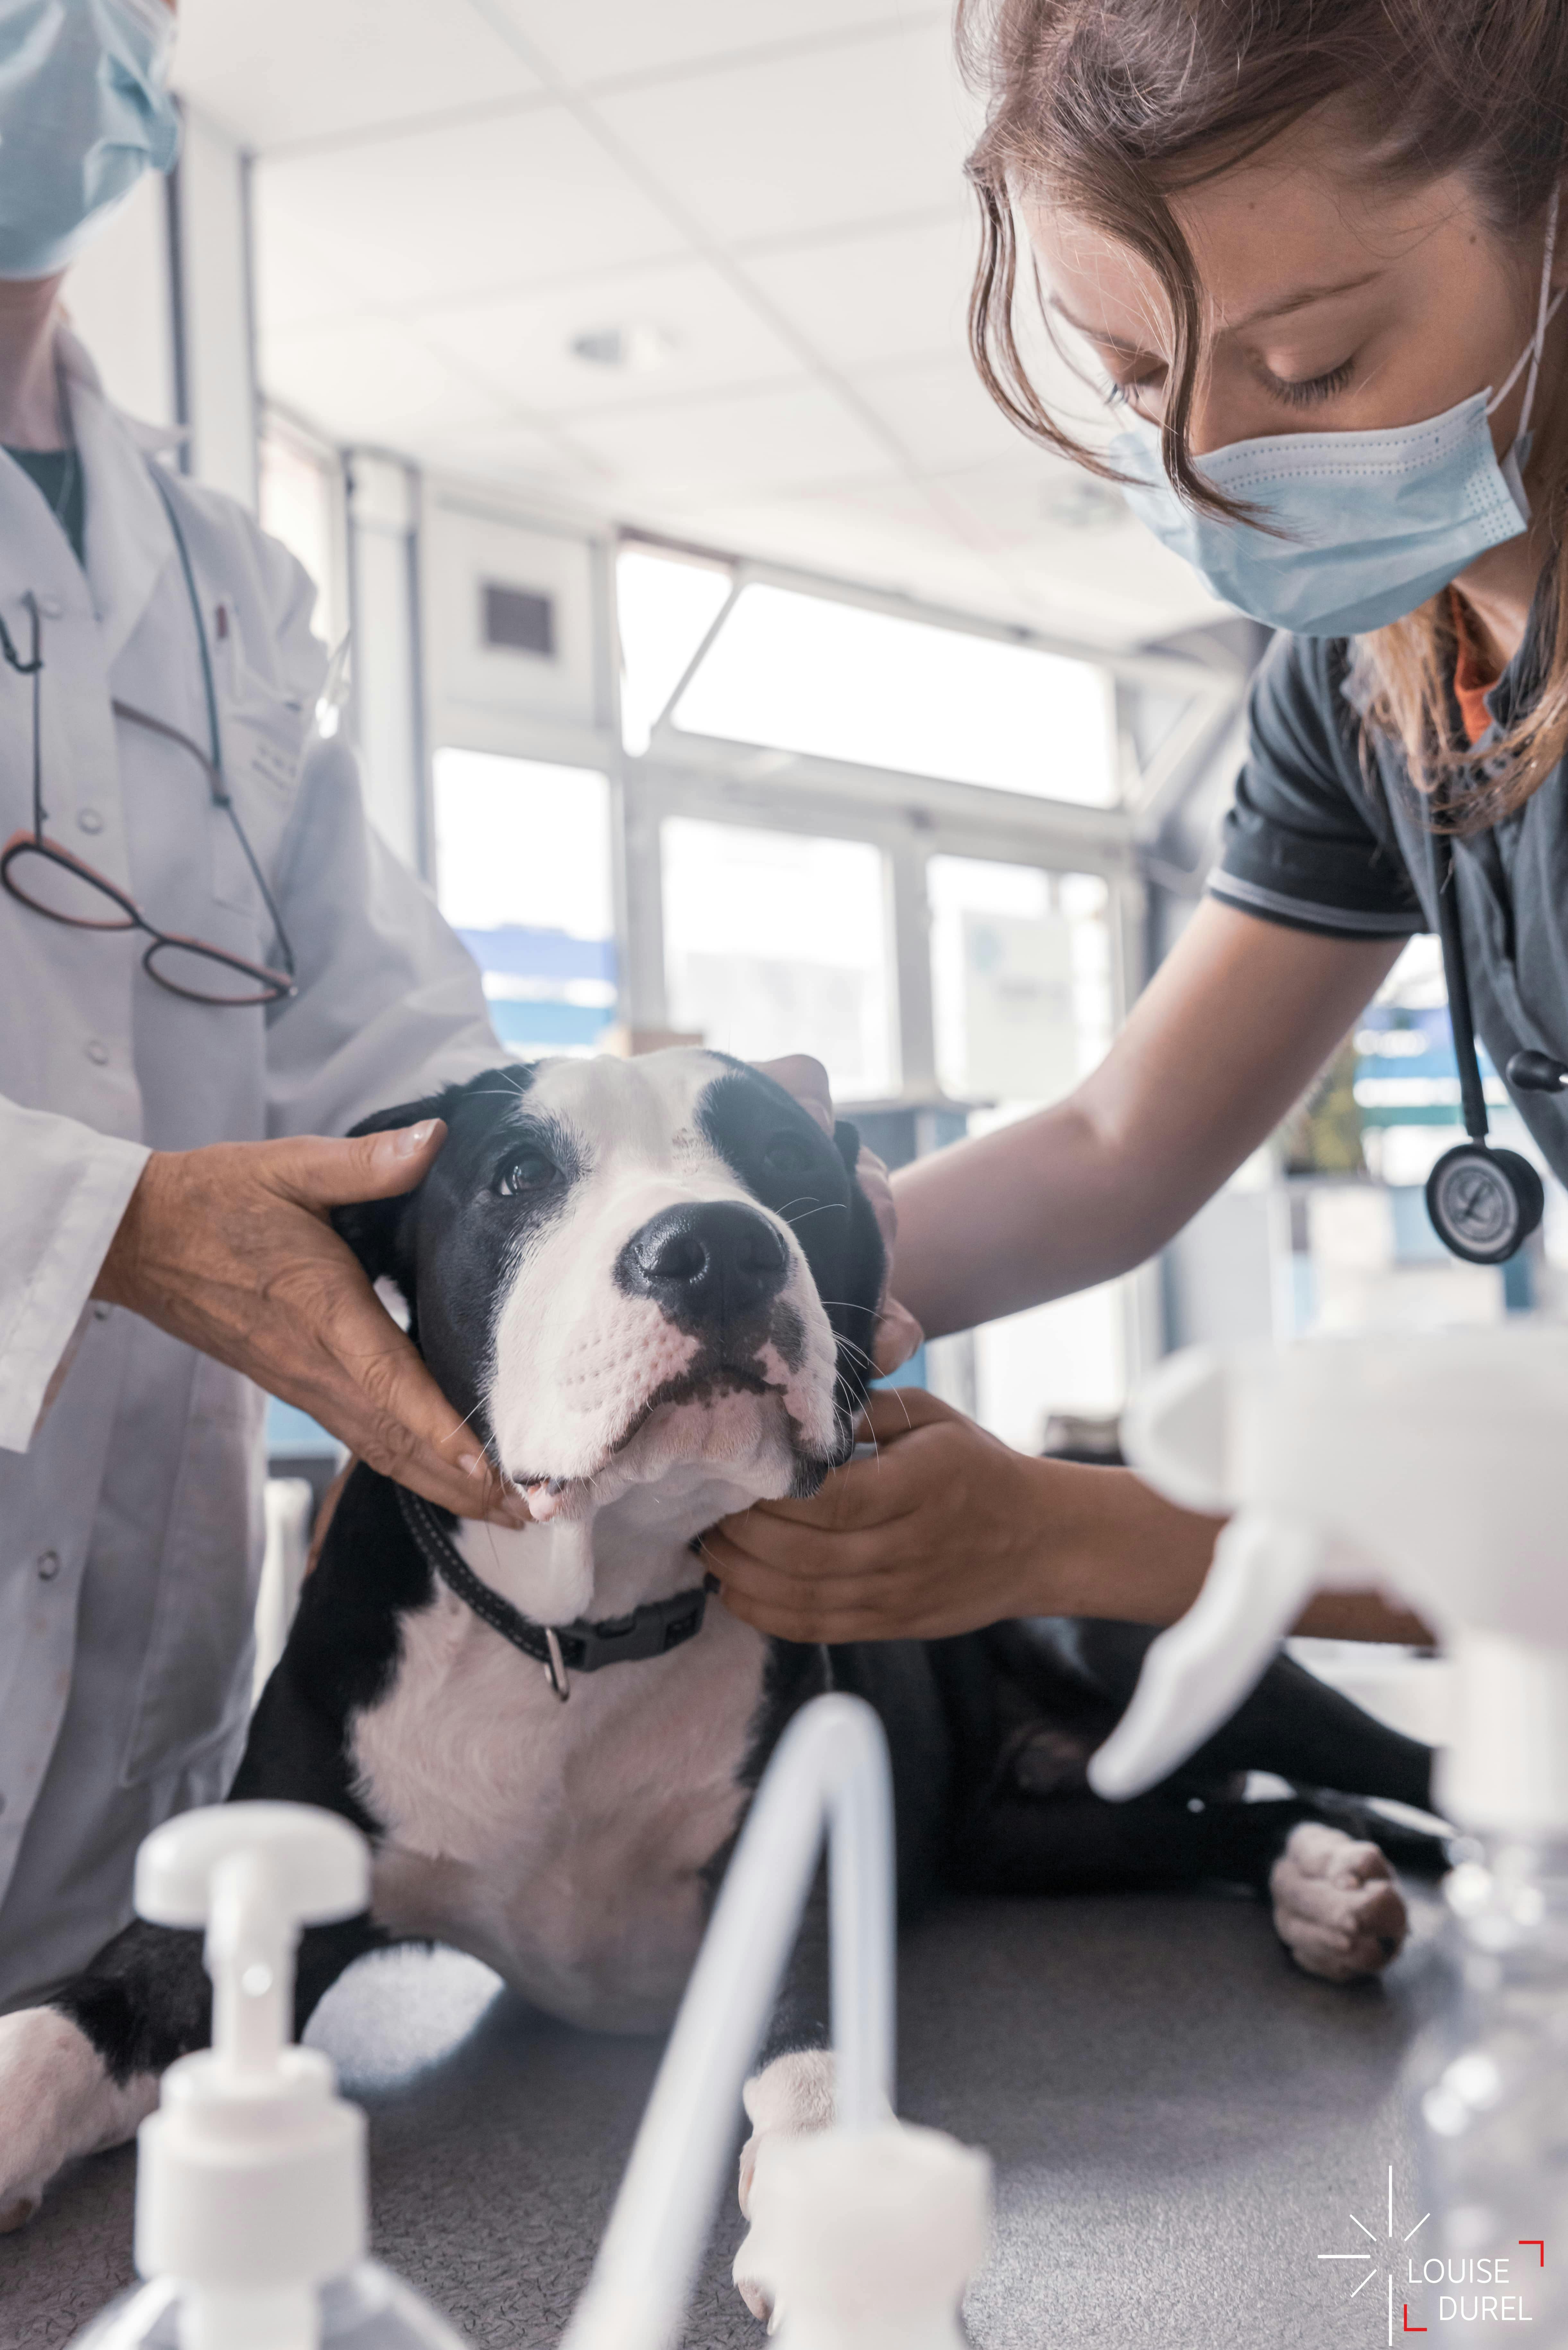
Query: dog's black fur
x=988 y=1733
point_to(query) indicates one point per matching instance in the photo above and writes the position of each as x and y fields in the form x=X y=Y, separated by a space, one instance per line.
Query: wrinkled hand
x=229 y=1248
x=897 y=1332
x=946 y=1530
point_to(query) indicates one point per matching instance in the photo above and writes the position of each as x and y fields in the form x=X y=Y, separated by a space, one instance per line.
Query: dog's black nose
x=705 y=1262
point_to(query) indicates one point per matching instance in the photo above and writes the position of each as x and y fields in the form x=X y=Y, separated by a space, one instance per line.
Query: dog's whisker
x=458 y=1426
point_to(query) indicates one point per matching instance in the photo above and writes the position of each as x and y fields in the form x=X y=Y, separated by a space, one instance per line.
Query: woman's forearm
x=942 y=1528
x=1118 y=1549
x=1010 y=1219
x=1233 y=1025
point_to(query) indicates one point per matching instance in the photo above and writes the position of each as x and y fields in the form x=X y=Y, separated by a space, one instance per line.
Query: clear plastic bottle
x=1426 y=1467
x=252 y=2204
x=1488 y=2085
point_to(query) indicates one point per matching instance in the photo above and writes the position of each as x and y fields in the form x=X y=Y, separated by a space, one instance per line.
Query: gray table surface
x=1180 y=2122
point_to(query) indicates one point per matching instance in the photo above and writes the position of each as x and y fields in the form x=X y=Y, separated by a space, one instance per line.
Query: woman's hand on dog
x=949 y=1529
x=946 y=1529
x=229 y=1248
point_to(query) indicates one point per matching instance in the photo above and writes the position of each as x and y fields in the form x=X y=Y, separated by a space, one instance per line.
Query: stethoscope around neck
x=1484 y=1201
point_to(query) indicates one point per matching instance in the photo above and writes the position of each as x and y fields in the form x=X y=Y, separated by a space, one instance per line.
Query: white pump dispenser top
x=250 y=2187
x=1426 y=1466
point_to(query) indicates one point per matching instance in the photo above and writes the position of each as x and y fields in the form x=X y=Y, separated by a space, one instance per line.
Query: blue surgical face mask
x=84 y=109
x=1374 y=522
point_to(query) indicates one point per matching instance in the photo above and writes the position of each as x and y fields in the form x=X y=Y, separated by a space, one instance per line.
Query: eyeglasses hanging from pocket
x=53 y=881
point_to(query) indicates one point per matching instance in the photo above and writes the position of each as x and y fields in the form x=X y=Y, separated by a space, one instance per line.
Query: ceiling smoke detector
x=637 y=349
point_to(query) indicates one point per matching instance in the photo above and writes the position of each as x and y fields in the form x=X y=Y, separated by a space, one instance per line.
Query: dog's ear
x=847 y=1136
x=378 y=1230
x=865 y=1271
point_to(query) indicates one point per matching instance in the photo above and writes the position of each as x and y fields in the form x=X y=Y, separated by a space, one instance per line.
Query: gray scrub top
x=1319 y=842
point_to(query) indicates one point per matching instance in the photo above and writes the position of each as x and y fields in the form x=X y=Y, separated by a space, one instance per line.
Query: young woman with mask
x=1315 y=254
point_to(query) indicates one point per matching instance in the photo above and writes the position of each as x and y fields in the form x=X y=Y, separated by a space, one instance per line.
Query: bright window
x=775 y=943
x=1364 y=1254
x=524 y=876
x=665 y=605
x=1020 y=979
x=1067 y=1357
x=804 y=674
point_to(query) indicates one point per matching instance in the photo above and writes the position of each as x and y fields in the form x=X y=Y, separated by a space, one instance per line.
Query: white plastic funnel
x=830 y=1769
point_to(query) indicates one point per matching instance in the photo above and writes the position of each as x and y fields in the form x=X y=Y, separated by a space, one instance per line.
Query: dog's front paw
x=789 y=2097
x=1337 y=1904
x=56 y=2101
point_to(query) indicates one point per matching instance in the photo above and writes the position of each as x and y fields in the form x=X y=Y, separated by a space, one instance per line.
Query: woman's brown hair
x=1109 y=106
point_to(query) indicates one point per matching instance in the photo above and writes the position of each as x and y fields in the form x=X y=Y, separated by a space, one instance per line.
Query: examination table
x=1181 y=2122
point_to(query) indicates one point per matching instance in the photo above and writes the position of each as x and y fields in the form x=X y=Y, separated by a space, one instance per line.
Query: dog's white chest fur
x=563 y=1844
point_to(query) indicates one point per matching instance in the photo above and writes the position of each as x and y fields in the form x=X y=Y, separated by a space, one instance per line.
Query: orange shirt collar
x=1471 y=682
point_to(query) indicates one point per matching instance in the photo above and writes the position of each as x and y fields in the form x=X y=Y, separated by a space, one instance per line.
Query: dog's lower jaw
x=744 y=1440
x=624 y=1541
x=57 y=2102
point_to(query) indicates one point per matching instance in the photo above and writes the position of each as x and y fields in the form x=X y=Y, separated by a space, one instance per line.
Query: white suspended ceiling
x=450 y=192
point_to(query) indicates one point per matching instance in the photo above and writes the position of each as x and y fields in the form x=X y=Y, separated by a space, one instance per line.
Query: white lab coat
x=130 y=1515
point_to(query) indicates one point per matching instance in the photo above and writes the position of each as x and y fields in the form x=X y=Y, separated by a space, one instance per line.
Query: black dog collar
x=651 y=1630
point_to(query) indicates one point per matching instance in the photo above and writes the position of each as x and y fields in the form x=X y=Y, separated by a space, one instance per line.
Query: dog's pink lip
x=545 y=1497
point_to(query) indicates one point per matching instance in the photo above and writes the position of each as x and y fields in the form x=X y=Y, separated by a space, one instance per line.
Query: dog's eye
x=785 y=1159
x=527 y=1171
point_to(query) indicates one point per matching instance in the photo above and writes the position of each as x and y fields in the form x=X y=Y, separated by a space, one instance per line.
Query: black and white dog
x=651 y=1287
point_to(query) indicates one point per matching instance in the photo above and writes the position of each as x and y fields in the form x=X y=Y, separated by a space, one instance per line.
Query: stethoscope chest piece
x=1484 y=1203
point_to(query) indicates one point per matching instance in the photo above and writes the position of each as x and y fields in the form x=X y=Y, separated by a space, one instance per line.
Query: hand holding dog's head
x=628 y=1270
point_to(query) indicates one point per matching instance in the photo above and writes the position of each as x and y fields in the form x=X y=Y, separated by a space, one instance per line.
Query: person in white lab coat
x=163 y=1243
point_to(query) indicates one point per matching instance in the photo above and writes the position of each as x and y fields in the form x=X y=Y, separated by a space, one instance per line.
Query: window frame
x=909 y=817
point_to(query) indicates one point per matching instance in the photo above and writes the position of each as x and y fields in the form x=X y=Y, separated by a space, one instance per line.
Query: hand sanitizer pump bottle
x=1427 y=1467
x=251 y=2199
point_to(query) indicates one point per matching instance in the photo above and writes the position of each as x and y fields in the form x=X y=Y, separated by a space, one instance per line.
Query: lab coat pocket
x=264 y=736
x=195 y=1677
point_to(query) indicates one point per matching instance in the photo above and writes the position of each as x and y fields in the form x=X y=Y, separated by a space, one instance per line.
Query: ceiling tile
x=1058 y=534
x=522 y=343
x=369 y=378
x=520 y=455
x=768 y=440
x=939 y=411
x=593 y=40
x=847 y=534
x=857 y=134
x=1112 y=586
x=1014 y=496
x=465 y=210
x=897 y=293
x=295 y=282
x=275 y=70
